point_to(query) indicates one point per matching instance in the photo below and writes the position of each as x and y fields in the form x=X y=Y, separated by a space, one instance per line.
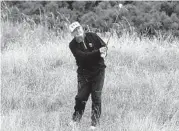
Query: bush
x=160 y=15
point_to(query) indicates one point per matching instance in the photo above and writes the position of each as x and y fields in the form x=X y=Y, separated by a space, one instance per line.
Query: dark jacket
x=88 y=59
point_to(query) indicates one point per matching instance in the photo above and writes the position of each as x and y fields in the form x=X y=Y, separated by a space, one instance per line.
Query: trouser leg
x=97 y=86
x=81 y=98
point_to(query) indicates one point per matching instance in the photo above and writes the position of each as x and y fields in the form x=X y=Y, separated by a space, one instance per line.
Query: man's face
x=78 y=33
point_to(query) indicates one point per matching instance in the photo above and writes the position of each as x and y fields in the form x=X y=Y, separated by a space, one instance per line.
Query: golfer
x=88 y=49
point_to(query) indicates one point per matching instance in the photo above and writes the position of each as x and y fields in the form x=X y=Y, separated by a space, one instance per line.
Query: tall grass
x=38 y=83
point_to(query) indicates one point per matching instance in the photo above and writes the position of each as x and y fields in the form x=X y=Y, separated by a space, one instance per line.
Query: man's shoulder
x=91 y=34
x=72 y=43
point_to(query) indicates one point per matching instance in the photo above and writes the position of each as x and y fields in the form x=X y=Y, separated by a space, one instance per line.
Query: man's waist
x=90 y=70
x=89 y=74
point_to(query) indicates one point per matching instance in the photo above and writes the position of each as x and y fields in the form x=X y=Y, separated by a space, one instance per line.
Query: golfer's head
x=76 y=29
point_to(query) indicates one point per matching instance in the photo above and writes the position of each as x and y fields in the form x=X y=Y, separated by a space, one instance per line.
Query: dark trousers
x=86 y=87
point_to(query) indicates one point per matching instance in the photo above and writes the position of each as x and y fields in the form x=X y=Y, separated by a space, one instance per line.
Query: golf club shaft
x=105 y=54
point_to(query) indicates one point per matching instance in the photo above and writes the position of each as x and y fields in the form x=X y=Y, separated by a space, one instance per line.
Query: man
x=88 y=50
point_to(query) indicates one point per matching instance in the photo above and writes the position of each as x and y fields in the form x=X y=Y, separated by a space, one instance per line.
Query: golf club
x=120 y=7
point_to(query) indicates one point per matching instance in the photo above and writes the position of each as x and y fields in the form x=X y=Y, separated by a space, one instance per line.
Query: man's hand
x=103 y=51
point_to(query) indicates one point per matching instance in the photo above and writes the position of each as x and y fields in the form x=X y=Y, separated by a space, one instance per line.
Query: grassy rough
x=38 y=83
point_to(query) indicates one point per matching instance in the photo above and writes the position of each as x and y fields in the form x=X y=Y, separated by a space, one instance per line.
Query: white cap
x=73 y=26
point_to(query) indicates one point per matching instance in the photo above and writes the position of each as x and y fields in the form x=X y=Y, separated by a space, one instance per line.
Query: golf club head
x=120 y=6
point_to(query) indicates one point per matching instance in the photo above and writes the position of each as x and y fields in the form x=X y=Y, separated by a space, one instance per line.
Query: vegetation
x=149 y=18
x=38 y=82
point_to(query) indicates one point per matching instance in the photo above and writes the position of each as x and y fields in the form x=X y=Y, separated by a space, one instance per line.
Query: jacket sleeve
x=83 y=55
x=102 y=43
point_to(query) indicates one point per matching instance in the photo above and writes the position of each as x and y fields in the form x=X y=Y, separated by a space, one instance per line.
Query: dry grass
x=38 y=83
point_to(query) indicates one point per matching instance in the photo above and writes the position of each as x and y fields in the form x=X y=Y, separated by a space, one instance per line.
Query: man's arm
x=102 y=43
x=83 y=55
x=103 y=46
